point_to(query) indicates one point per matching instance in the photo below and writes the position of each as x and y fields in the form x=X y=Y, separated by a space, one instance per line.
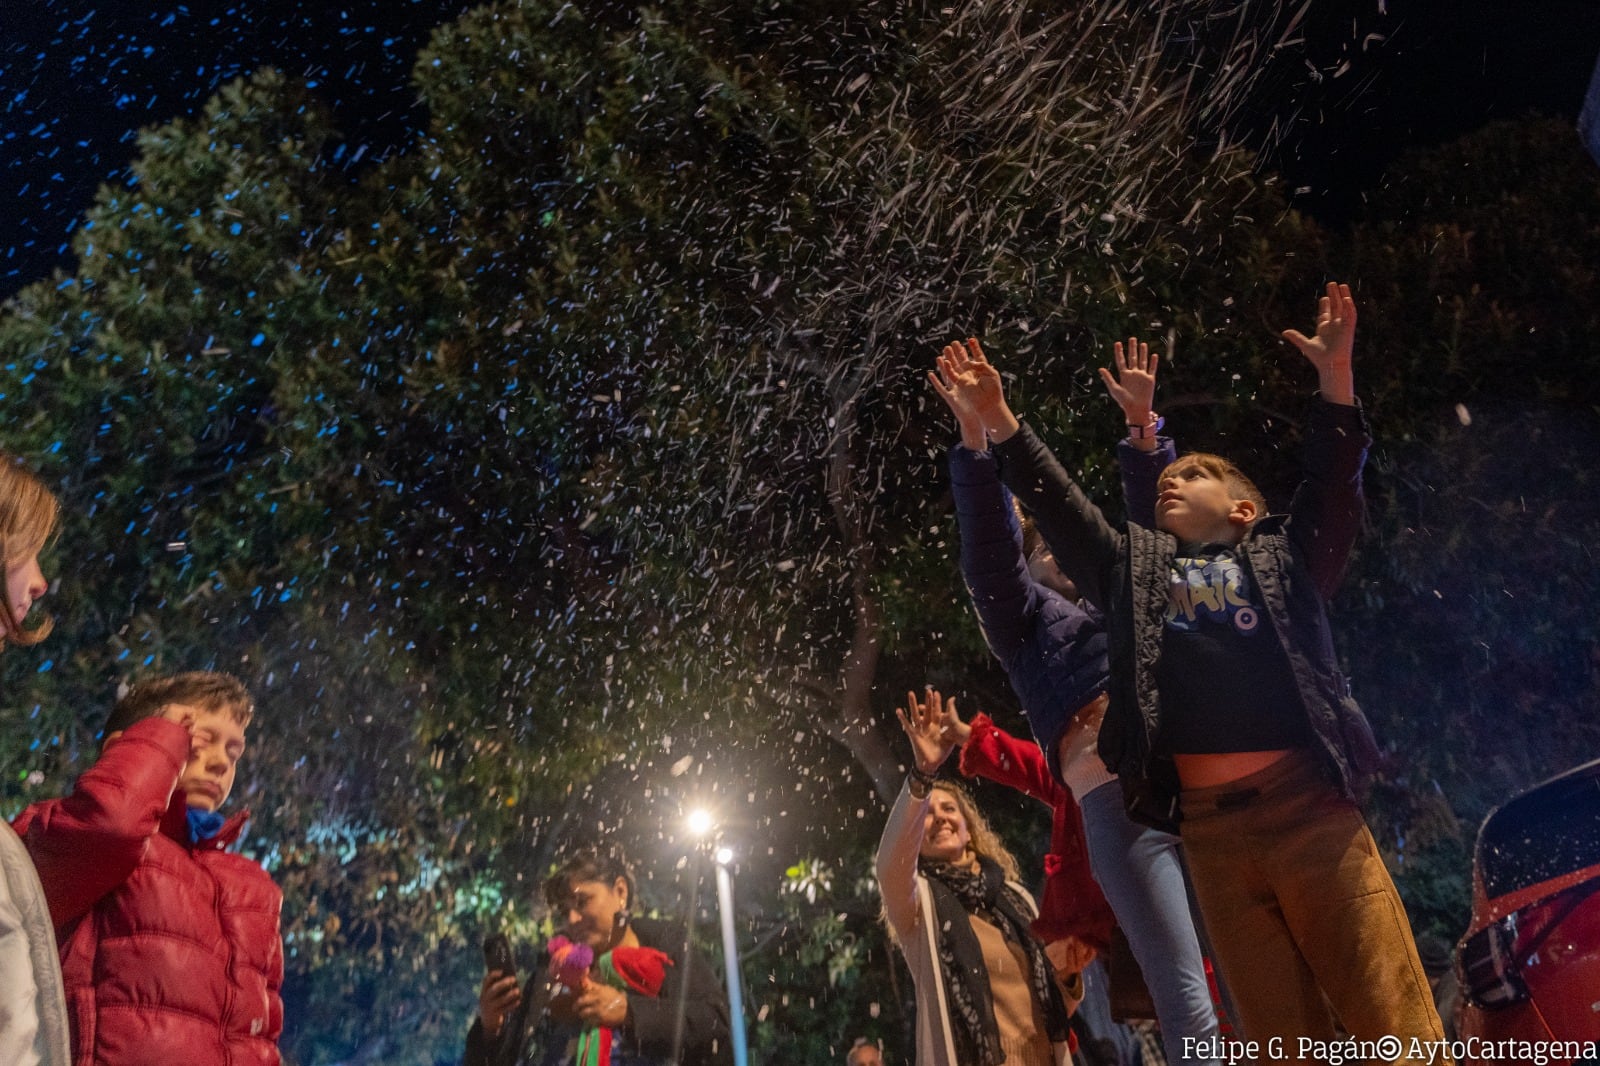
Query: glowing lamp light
x=700 y=821
x=724 y=856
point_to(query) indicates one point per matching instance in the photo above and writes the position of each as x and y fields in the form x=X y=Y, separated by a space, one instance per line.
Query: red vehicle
x=1529 y=965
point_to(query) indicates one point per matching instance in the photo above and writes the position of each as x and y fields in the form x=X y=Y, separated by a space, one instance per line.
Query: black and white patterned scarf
x=959 y=895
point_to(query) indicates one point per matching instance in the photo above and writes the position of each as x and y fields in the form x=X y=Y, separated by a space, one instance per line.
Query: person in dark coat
x=543 y=1022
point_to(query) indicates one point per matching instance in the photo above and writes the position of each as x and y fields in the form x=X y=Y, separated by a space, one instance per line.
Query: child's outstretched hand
x=960 y=404
x=1134 y=386
x=966 y=369
x=1331 y=350
x=951 y=727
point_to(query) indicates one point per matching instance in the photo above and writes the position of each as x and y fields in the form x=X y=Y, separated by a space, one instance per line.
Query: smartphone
x=497 y=954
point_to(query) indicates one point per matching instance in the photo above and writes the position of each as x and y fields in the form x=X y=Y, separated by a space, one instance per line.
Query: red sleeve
x=87 y=843
x=993 y=753
x=275 y=989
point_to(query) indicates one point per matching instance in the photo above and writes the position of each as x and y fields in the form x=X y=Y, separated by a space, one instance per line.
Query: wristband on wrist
x=1149 y=429
x=917 y=778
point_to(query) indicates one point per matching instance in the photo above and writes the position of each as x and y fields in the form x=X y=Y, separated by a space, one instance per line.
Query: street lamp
x=701 y=823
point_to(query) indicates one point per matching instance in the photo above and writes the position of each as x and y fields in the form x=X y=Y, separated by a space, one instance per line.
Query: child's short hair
x=1239 y=486
x=593 y=862
x=28 y=513
x=207 y=689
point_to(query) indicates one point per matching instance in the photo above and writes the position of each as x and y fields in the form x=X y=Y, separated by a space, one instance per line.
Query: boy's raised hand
x=968 y=372
x=1331 y=349
x=931 y=742
x=1134 y=385
x=972 y=435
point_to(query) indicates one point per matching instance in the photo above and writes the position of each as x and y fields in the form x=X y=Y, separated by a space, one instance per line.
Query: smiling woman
x=986 y=992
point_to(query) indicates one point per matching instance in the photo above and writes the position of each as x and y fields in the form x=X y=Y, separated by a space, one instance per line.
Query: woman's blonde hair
x=986 y=843
x=28 y=513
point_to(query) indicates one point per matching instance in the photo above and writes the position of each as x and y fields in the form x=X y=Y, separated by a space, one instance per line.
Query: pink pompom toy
x=570 y=962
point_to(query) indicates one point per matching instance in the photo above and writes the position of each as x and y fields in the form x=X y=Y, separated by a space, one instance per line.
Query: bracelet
x=1149 y=429
x=918 y=777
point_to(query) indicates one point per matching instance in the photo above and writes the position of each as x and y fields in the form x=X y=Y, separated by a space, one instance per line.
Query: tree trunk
x=852 y=722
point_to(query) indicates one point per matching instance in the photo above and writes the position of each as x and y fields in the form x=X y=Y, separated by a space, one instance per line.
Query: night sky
x=79 y=77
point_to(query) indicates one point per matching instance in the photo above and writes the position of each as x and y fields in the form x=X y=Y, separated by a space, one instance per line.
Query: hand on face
x=216 y=742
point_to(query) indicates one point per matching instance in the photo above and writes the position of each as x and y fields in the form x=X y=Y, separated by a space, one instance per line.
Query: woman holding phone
x=615 y=989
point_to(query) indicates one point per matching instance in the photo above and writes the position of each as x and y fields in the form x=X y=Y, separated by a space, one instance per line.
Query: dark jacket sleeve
x=503 y=1049
x=87 y=843
x=1326 y=512
x=1085 y=545
x=1140 y=470
x=480 y=1049
x=705 y=1017
x=996 y=573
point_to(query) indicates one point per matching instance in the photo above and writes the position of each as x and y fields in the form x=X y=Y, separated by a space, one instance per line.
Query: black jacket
x=1295 y=559
x=532 y=1039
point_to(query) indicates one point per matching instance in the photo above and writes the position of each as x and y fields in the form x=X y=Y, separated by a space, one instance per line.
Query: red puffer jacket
x=170 y=952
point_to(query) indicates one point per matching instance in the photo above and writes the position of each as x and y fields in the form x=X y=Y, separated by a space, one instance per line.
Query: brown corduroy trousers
x=1306 y=923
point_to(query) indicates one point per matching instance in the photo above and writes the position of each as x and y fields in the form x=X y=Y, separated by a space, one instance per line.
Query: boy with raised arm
x=169 y=943
x=1229 y=716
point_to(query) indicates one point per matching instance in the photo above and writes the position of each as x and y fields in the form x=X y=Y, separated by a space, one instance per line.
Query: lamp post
x=700 y=824
x=730 y=956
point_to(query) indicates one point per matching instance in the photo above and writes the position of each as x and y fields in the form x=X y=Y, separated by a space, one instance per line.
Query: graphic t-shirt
x=1224 y=679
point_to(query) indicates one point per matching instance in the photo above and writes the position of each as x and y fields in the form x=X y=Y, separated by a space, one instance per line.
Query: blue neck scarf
x=203 y=824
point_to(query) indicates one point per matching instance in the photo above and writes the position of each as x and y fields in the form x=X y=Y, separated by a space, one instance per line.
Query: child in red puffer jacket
x=170 y=949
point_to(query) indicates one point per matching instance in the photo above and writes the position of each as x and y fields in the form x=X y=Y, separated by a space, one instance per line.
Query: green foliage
x=1468 y=620
x=839 y=976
